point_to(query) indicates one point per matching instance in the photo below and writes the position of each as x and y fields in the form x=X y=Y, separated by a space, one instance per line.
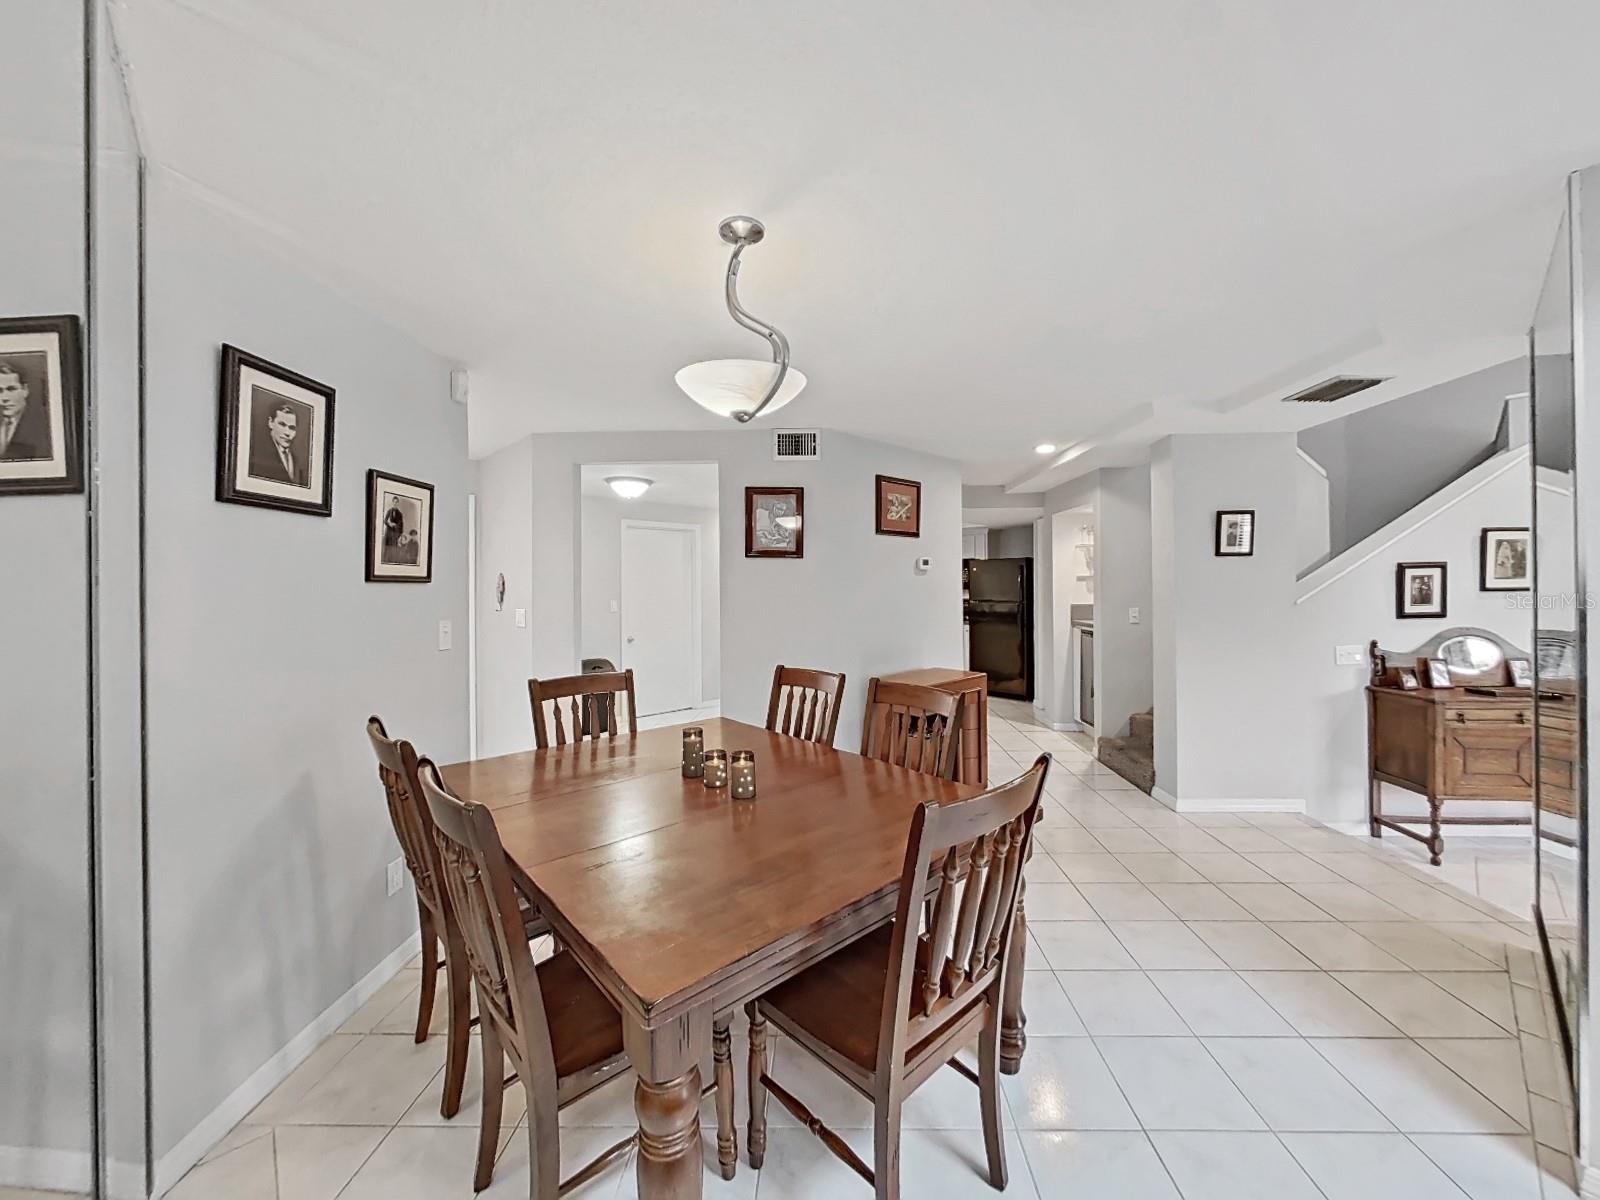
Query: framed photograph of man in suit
x=41 y=405
x=274 y=437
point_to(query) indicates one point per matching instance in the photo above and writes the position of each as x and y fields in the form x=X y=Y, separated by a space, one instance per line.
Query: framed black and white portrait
x=774 y=522
x=399 y=529
x=41 y=405
x=1504 y=561
x=1236 y=533
x=1419 y=589
x=274 y=437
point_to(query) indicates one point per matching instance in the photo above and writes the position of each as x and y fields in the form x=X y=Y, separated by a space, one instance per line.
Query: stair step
x=1131 y=759
x=1142 y=727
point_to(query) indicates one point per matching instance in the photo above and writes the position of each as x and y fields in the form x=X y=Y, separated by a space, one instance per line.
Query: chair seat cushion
x=584 y=1028
x=839 y=1001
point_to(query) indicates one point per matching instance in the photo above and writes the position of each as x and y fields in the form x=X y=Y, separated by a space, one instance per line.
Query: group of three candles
x=713 y=767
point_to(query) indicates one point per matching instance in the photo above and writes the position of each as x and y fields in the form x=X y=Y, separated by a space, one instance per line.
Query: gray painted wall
x=1015 y=541
x=855 y=602
x=1384 y=460
x=44 y=1042
x=1224 y=627
x=268 y=652
x=601 y=583
x=1123 y=673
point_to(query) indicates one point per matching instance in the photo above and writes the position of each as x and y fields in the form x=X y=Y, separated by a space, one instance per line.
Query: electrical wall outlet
x=1133 y=616
x=445 y=635
x=1349 y=656
x=396 y=875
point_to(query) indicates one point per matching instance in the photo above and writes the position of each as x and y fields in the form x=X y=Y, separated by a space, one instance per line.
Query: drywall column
x=1226 y=724
x=1123 y=600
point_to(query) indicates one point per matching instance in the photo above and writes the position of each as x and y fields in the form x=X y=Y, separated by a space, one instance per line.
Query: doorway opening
x=650 y=583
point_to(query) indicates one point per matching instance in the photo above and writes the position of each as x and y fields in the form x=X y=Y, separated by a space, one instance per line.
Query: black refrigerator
x=999 y=615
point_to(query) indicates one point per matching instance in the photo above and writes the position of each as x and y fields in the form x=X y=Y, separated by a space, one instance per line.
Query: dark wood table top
x=673 y=889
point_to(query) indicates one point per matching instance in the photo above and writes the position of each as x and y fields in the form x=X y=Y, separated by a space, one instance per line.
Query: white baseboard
x=192 y=1147
x=1069 y=726
x=32 y=1169
x=37 y=1169
x=1211 y=805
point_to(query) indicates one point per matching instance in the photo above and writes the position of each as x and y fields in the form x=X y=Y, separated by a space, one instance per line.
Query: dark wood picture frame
x=1483 y=558
x=1218 y=551
x=375 y=572
x=229 y=490
x=1400 y=591
x=68 y=349
x=751 y=549
x=880 y=509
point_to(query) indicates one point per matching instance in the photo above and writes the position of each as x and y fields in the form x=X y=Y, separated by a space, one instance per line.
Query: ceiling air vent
x=790 y=444
x=1333 y=389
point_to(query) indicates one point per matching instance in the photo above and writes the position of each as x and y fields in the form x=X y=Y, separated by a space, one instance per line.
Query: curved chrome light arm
x=747 y=319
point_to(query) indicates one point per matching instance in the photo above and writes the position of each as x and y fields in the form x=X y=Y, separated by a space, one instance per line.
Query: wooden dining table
x=682 y=903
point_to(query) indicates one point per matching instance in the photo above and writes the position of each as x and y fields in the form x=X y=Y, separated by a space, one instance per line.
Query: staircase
x=1133 y=757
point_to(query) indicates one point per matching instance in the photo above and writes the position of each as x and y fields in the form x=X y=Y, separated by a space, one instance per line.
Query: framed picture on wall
x=899 y=507
x=399 y=529
x=774 y=522
x=1419 y=589
x=1504 y=561
x=274 y=437
x=41 y=405
x=1236 y=533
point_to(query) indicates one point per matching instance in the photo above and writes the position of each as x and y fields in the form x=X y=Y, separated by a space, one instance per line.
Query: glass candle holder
x=694 y=752
x=716 y=769
x=742 y=775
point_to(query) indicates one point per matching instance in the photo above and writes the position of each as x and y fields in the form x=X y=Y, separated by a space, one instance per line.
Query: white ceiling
x=988 y=225
x=690 y=485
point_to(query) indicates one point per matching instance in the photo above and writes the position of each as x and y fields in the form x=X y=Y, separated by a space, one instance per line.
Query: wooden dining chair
x=888 y=1011
x=593 y=705
x=562 y=1035
x=413 y=828
x=810 y=703
x=912 y=726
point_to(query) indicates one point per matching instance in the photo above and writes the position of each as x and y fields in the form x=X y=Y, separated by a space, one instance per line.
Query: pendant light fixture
x=743 y=388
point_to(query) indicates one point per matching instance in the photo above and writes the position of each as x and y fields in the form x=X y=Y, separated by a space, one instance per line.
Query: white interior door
x=661 y=614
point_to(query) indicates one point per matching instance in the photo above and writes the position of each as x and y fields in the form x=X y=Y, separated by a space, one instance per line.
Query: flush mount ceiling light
x=743 y=388
x=629 y=487
x=1045 y=448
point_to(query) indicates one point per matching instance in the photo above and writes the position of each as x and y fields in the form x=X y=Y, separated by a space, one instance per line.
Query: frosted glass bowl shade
x=729 y=385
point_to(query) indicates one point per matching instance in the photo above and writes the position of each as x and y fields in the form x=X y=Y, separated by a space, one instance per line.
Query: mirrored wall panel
x=47 y=1133
x=1558 y=659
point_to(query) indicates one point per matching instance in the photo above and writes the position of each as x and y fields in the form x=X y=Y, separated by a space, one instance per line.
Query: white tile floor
x=1231 y=1006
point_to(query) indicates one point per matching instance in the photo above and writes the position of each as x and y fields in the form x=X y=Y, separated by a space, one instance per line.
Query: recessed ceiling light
x=1045 y=448
x=629 y=487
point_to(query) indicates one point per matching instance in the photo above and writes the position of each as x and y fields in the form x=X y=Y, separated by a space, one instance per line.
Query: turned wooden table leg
x=727 y=1133
x=1013 y=1041
x=1436 y=835
x=666 y=1099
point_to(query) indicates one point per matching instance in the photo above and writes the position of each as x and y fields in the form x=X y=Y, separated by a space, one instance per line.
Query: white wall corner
x=192 y=1147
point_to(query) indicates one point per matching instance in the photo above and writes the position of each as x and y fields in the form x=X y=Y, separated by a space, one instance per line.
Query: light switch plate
x=1349 y=656
x=396 y=875
x=444 y=635
x=1133 y=616
x=522 y=618
x=614 y=607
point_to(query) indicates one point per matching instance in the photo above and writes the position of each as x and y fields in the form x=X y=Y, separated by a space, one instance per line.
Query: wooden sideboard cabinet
x=973 y=766
x=1448 y=744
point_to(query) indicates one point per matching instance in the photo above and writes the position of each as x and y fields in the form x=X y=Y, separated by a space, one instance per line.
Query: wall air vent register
x=791 y=444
